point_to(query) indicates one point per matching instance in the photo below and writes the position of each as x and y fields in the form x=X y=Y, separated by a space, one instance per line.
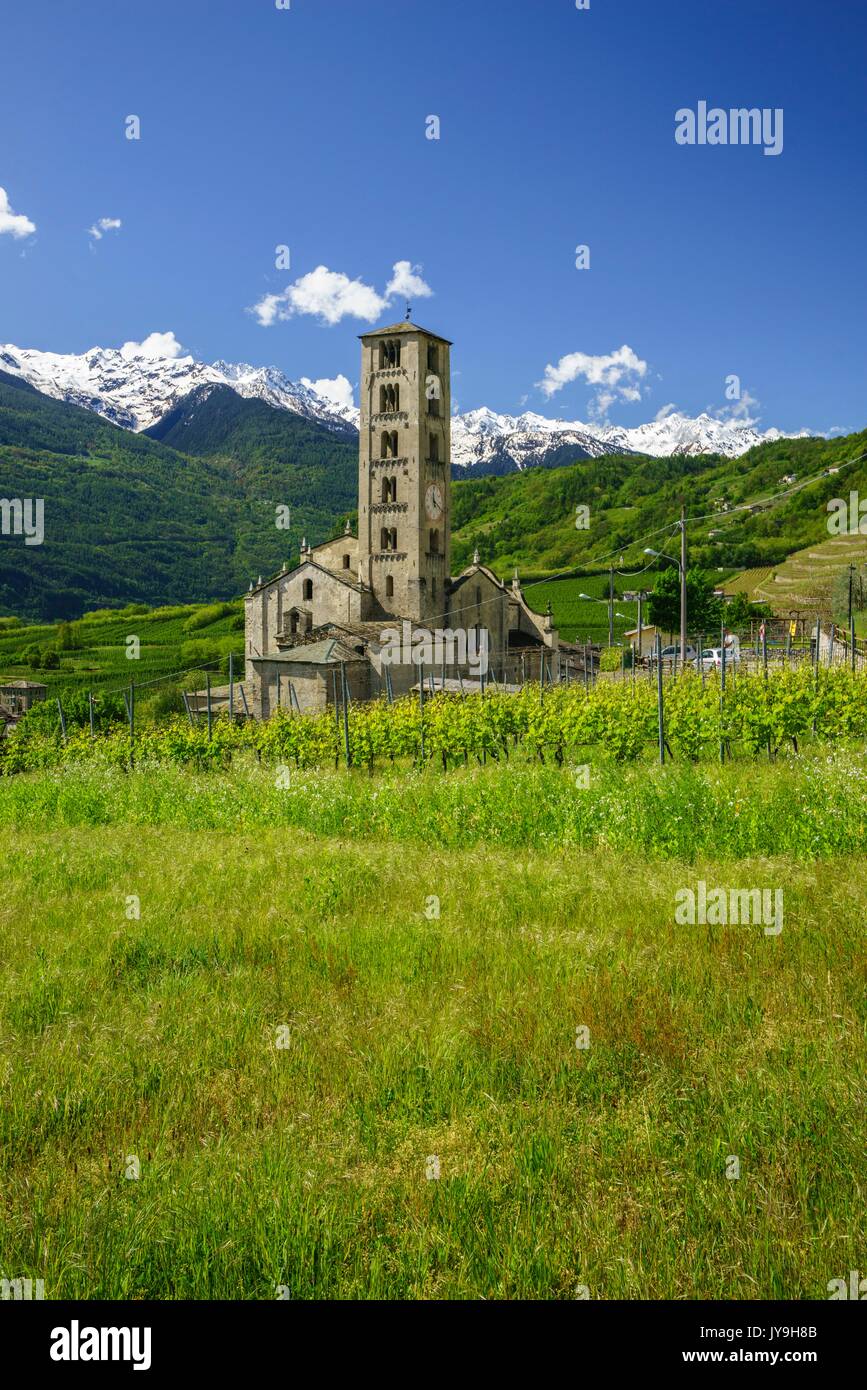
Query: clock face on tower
x=433 y=502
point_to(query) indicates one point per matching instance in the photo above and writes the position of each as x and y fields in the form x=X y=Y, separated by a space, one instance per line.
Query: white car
x=711 y=659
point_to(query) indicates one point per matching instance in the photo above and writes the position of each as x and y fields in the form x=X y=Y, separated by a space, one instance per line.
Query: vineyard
x=755 y=714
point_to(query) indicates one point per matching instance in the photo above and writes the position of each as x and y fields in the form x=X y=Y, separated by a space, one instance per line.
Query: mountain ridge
x=136 y=391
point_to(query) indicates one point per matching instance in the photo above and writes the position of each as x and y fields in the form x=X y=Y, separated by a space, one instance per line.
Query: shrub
x=610 y=658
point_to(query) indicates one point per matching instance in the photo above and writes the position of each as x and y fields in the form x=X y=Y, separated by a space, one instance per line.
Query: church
x=328 y=626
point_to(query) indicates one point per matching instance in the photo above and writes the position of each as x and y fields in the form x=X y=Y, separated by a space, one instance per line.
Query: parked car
x=711 y=659
x=669 y=653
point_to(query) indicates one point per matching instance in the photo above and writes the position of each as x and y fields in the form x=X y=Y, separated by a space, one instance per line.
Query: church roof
x=405 y=327
x=328 y=652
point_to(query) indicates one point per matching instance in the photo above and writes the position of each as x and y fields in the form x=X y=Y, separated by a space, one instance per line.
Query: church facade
x=332 y=623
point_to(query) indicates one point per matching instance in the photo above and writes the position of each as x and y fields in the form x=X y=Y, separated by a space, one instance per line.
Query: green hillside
x=128 y=519
x=267 y=449
x=176 y=645
x=528 y=519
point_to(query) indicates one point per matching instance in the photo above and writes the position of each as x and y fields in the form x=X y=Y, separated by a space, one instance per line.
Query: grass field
x=286 y=1039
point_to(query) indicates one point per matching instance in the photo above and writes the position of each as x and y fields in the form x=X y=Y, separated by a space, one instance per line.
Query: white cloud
x=601 y=404
x=330 y=296
x=740 y=411
x=155 y=345
x=614 y=373
x=337 y=390
x=666 y=410
x=16 y=224
x=105 y=224
x=406 y=282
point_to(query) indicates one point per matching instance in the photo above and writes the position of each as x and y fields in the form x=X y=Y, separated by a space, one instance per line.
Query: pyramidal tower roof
x=406 y=327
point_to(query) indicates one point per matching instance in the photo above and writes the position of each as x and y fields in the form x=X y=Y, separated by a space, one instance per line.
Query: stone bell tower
x=404 y=471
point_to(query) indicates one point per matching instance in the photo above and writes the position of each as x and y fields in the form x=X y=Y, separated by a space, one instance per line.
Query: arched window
x=346 y=562
x=389 y=586
x=434 y=449
x=293 y=621
x=384 y=445
x=384 y=538
x=386 y=490
x=432 y=361
x=395 y=398
x=394 y=538
x=308 y=589
x=394 y=442
x=383 y=399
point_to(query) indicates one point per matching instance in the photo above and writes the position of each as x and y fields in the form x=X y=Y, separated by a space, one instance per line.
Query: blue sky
x=306 y=127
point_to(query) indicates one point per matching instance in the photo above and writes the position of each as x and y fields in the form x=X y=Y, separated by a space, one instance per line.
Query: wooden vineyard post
x=660 y=700
x=816 y=664
x=345 y=687
x=722 y=695
x=132 y=723
x=421 y=710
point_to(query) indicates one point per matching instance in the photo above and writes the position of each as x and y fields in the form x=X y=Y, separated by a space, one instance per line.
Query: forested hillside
x=529 y=519
x=128 y=519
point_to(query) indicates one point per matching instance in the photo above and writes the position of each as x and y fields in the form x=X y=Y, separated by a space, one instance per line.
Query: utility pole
x=640 y=600
x=611 y=606
x=682 y=587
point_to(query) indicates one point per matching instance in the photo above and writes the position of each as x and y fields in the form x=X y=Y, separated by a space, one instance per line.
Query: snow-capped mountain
x=134 y=391
x=684 y=434
x=489 y=443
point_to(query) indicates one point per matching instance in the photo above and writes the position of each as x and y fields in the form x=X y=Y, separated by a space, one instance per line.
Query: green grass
x=411 y=1036
x=809 y=807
